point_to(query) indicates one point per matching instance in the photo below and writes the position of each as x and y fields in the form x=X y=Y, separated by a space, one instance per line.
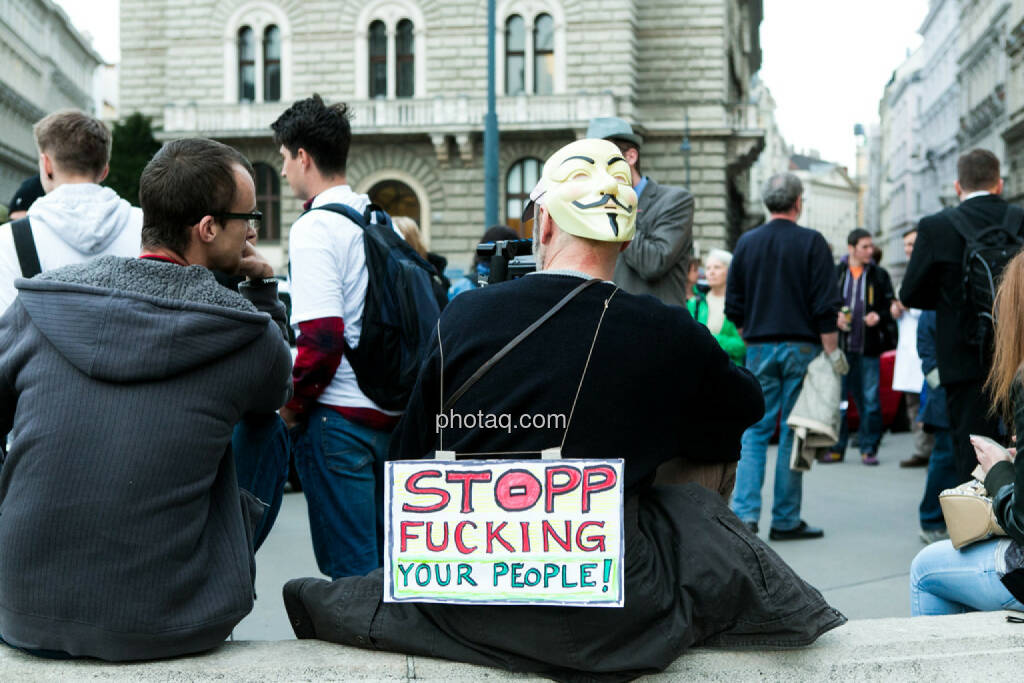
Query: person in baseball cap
x=27 y=193
x=657 y=260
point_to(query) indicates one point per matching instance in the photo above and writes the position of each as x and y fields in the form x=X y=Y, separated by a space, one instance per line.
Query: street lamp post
x=490 y=129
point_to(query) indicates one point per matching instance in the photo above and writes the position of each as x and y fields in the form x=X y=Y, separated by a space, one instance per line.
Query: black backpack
x=399 y=314
x=986 y=252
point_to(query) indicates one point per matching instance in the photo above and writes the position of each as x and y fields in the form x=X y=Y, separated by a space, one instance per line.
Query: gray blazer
x=656 y=260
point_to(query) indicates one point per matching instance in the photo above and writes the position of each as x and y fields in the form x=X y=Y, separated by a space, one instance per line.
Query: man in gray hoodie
x=123 y=529
x=77 y=219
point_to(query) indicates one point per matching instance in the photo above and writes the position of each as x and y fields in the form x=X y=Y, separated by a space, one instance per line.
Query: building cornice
x=12 y=98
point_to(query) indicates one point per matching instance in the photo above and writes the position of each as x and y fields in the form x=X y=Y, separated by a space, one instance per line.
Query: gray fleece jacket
x=122 y=536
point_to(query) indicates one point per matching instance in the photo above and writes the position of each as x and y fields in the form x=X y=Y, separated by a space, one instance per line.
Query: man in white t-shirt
x=340 y=437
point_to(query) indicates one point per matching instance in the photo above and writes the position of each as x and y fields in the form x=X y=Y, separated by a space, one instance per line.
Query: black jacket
x=877 y=299
x=782 y=285
x=1001 y=482
x=658 y=386
x=934 y=281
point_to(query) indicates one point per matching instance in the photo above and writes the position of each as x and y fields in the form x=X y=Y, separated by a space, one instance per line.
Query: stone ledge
x=955 y=648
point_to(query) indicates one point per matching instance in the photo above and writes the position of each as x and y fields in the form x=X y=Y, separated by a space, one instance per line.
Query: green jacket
x=728 y=338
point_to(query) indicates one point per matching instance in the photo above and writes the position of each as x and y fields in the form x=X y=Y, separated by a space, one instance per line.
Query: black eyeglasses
x=253 y=218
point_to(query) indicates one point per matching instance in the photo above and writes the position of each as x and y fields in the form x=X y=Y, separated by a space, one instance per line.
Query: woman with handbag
x=987 y=575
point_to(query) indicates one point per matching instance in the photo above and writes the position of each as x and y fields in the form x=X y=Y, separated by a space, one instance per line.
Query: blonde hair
x=411 y=232
x=1008 y=354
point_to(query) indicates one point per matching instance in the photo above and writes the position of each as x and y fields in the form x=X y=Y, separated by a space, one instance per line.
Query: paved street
x=869 y=515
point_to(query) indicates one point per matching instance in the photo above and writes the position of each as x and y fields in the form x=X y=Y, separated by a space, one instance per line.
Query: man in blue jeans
x=340 y=436
x=865 y=326
x=935 y=416
x=782 y=297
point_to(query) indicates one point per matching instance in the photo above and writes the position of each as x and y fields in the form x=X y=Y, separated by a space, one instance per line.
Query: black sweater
x=782 y=284
x=658 y=385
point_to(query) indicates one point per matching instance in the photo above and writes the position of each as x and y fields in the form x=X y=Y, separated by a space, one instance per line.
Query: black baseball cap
x=27 y=193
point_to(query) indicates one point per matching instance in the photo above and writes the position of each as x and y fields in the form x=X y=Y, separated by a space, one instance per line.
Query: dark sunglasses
x=253 y=218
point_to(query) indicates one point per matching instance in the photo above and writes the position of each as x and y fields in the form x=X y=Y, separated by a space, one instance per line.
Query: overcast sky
x=98 y=18
x=825 y=61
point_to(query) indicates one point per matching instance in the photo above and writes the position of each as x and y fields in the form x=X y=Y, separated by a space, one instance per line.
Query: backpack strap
x=25 y=246
x=360 y=219
x=504 y=351
x=1013 y=221
x=960 y=223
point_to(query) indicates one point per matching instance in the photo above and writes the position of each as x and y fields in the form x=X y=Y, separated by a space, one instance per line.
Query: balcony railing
x=427 y=115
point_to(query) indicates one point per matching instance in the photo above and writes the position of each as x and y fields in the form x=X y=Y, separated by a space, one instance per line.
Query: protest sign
x=504 y=532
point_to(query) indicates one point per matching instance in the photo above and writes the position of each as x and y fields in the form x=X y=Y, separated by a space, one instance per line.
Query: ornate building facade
x=415 y=75
x=47 y=66
x=1014 y=133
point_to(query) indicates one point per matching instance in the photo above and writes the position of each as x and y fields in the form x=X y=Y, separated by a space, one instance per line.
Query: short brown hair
x=75 y=141
x=977 y=170
x=183 y=182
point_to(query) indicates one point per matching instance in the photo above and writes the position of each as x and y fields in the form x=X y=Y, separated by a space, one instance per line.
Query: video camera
x=509 y=260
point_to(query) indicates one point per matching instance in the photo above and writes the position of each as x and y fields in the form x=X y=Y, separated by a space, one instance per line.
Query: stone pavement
x=861 y=566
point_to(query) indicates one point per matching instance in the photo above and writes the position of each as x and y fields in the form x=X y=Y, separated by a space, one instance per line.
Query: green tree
x=133 y=147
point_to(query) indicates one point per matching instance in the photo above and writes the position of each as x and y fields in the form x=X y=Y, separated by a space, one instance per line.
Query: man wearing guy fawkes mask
x=637 y=380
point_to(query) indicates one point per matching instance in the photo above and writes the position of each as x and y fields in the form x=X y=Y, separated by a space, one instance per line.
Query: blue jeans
x=780 y=368
x=341 y=466
x=941 y=476
x=948 y=581
x=862 y=382
x=262 y=446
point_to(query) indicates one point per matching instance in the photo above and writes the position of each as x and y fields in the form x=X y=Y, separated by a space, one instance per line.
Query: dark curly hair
x=322 y=130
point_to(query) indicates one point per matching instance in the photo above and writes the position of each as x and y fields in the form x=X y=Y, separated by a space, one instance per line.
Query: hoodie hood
x=130 y=320
x=88 y=217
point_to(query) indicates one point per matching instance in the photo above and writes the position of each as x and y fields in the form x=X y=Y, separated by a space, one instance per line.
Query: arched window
x=272 y=64
x=515 y=55
x=268 y=201
x=544 y=55
x=378 y=59
x=246 y=65
x=404 y=57
x=521 y=179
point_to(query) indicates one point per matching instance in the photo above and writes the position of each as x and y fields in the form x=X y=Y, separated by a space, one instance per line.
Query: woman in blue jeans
x=988 y=575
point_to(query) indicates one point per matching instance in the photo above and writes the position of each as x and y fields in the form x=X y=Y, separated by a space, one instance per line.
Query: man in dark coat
x=934 y=281
x=865 y=333
x=657 y=260
x=694 y=573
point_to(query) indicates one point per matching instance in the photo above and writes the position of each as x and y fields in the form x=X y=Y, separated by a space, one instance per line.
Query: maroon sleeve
x=320 y=344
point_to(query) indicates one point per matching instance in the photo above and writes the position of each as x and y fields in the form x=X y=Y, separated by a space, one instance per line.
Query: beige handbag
x=968 y=512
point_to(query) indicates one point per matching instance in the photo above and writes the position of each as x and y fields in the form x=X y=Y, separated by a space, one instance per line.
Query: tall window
x=246 y=65
x=268 y=200
x=515 y=55
x=404 y=59
x=272 y=64
x=378 y=59
x=521 y=179
x=544 y=55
